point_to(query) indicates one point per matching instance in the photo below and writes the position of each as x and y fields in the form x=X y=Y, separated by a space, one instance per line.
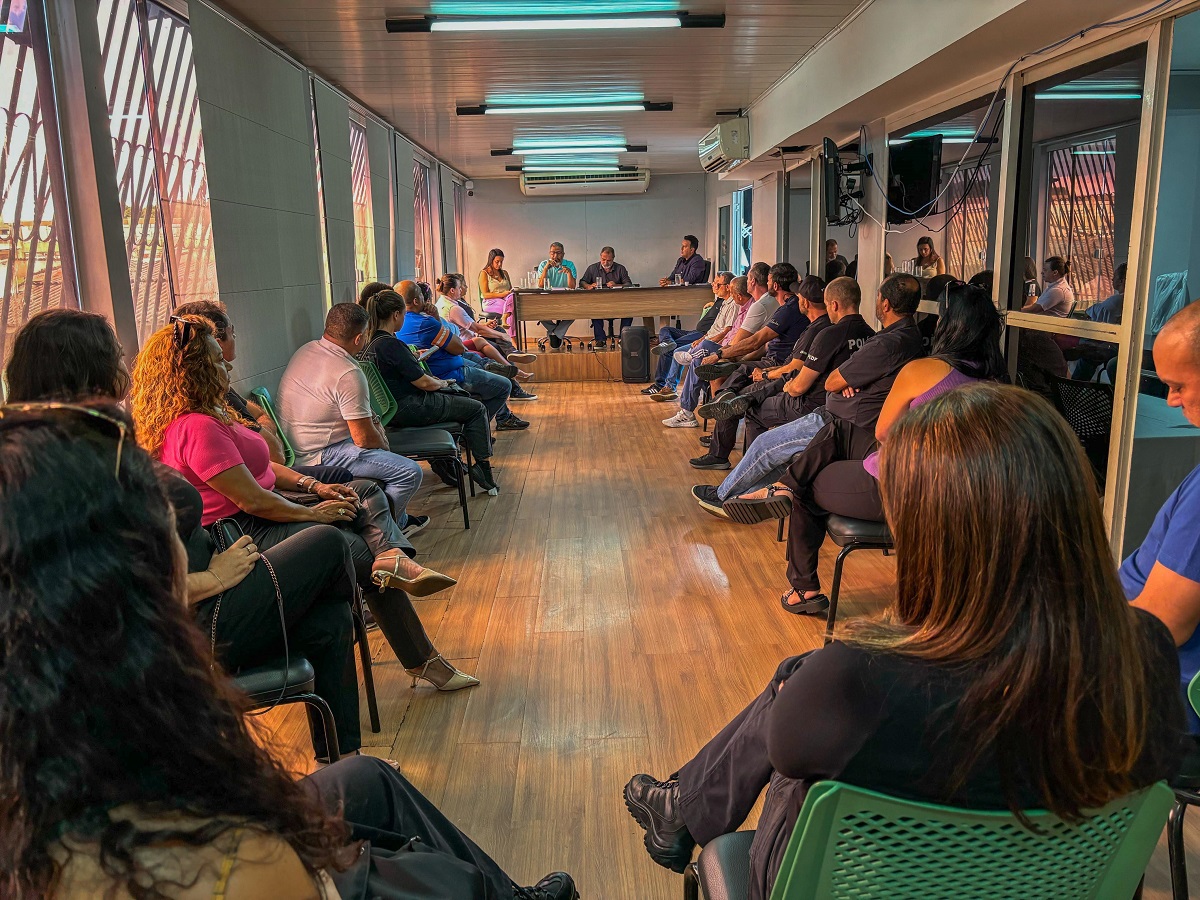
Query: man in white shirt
x=1058 y=298
x=325 y=406
x=556 y=272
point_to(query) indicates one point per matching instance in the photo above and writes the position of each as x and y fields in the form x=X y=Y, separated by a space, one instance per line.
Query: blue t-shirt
x=557 y=278
x=1174 y=541
x=424 y=332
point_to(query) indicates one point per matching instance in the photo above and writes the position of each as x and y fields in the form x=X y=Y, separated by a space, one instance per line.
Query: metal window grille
x=364 y=223
x=1081 y=215
x=31 y=273
x=966 y=253
x=422 y=228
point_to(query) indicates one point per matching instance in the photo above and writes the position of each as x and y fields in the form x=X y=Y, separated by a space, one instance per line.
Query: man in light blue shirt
x=556 y=272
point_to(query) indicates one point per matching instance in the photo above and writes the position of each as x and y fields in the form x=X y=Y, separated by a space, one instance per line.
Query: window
x=723 y=239
x=460 y=199
x=159 y=153
x=1081 y=216
x=422 y=223
x=968 y=244
x=743 y=209
x=364 y=222
x=31 y=275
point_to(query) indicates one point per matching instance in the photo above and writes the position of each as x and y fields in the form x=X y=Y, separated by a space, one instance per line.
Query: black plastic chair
x=364 y=657
x=851 y=535
x=722 y=870
x=1186 y=785
x=274 y=685
x=1088 y=409
x=430 y=443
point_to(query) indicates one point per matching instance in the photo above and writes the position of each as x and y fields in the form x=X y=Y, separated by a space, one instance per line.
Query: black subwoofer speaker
x=635 y=354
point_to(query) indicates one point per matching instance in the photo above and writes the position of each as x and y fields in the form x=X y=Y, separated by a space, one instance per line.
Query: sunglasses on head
x=92 y=416
x=184 y=331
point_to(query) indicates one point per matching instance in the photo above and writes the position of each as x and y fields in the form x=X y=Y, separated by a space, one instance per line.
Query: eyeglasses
x=94 y=416
x=184 y=331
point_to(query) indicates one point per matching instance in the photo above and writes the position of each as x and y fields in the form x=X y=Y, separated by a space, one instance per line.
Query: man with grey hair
x=667 y=370
x=1163 y=575
x=608 y=273
x=556 y=272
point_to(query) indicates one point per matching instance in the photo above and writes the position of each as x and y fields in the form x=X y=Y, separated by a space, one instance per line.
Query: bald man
x=1163 y=575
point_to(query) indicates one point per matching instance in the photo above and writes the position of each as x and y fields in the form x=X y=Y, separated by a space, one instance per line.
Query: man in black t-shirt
x=741 y=396
x=832 y=348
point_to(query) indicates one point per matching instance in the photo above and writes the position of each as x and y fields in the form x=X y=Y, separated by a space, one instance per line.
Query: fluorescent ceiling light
x=559 y=151
x=604 y=169
x=564 y=108
x=1093 y=152
x=1084 y=95
x=618 y=21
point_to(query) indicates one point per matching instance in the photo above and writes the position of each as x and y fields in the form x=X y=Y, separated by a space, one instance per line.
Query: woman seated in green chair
x=1009 y=674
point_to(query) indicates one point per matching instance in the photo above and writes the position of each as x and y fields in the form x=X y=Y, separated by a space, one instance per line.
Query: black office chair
x=850 y=535
x=1186 y=785
x=430 y=443
x=1088 y=409
x=273 y=685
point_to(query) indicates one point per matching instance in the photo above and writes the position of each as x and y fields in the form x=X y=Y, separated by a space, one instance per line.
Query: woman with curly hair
x=73 y=356
x=183 y=420
x=126 y=766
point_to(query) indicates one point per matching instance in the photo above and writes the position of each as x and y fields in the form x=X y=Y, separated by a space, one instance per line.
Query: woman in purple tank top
x=966 y=349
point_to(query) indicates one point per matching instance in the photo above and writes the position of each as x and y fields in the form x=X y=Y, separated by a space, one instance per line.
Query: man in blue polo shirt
x=1163 y=575
x=556 y=272
x=445 y=360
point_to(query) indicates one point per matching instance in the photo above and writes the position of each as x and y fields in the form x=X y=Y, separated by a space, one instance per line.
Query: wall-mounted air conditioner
x=575 y=183
x=725 y=146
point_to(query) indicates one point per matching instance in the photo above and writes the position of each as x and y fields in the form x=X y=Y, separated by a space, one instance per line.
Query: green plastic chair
x=263 y=398
x=854 y=844
x=383 y=404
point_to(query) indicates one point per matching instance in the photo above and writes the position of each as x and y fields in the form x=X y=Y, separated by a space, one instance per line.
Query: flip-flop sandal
x=808 y=607
x=776 y=505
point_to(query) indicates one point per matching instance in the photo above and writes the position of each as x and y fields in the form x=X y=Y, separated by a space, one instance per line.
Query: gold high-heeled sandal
x=455 y=682
x=386 y=573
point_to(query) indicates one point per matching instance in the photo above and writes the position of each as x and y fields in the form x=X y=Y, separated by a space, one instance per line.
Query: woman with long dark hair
x=966 y=348
x=1010 y=673
x=126 y=767
x=183 y=420
x=496 y=289
x=927 y=263
x=72 y=356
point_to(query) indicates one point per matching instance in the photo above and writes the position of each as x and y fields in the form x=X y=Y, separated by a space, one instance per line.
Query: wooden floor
x=614 y=625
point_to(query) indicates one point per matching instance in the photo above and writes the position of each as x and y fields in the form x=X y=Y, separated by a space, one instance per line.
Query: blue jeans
x=666 y=373
x=490 y=389
x=401 y=476
x=768 y=457
x=689 y=394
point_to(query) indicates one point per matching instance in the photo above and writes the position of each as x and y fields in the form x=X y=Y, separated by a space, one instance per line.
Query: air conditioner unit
x=575 y=183
x=725 y=146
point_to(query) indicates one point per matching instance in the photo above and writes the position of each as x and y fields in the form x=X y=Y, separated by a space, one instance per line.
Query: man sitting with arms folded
x=445 y=359
x=855 y=394
x=835 y=331
x=325 y=406
x=666 y=371
x=556 y=272
x=768 y=347
x=1163 y=575
x=690 y=267
x=727 y=325
x=608 y=273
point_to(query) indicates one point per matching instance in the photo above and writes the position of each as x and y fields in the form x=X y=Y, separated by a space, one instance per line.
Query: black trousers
x=436 y=407
x=392 y=609
x=720 y=785
x=776 y=410
x=725 y=432
x=316 y=583
x=598 y=329
x=413 y=851
x=838 y=442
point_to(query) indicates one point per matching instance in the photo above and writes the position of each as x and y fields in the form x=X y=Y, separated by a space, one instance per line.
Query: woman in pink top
x=966 y=349
x=178 y=401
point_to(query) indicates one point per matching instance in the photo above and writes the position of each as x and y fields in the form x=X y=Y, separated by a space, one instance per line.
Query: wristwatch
x=720 y=351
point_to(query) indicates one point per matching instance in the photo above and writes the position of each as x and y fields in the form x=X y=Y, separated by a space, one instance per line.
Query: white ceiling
x=416 y=80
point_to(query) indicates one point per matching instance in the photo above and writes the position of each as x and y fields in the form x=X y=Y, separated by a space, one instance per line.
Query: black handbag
x=226 y=533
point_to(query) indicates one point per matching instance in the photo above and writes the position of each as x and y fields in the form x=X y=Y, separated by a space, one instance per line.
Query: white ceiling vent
x=575 y=183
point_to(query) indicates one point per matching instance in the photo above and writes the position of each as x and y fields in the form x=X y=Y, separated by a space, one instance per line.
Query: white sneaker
x=682 y=419
x=683 y=357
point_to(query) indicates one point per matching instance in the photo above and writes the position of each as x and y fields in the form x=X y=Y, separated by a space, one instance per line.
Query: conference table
x=646 y=303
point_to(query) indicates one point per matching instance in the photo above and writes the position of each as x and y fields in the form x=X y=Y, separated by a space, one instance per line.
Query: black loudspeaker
x=635 y=354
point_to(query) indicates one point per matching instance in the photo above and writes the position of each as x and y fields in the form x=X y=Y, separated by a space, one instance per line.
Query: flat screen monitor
x=833 y=182
x=914 y=176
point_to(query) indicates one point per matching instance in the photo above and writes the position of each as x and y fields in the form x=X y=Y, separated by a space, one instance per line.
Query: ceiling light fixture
x=586 y=169
x=517 y=109
x=1085 y=95
x=426 y=24
x=571 y=149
